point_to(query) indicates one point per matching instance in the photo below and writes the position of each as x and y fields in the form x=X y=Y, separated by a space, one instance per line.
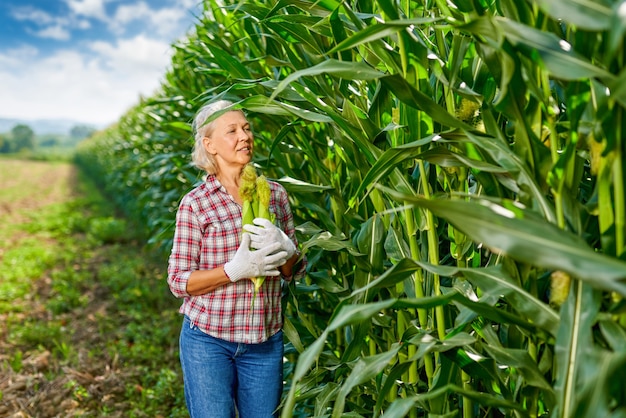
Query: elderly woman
x=231 y=349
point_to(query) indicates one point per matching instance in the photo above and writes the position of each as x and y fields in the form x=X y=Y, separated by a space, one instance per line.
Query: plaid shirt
x=208 y=232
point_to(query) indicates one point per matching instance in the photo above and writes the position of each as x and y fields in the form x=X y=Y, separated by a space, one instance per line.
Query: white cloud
x=51 y=27
x=69 y=85
x=83 y=24
x=88 y=8
x=101 y=81
x=57 y=32
x=127 y=13
x=134 y=55
x=15 y=58
x=30 y=14
x=164 y=22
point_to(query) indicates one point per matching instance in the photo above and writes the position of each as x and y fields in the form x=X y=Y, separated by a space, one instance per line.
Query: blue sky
x=86 y=60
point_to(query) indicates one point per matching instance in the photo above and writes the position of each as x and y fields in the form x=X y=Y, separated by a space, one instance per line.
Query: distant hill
x=44 y=126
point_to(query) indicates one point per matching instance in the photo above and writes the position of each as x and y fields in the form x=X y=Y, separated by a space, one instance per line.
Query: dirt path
x=27 y=189
x=56 y=358
x=46 y=184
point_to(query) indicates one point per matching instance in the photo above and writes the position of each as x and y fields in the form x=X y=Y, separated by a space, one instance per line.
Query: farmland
x=88 y=326
x=456 y=173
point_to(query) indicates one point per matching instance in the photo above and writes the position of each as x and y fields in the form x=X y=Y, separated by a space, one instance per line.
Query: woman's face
x=231 y=141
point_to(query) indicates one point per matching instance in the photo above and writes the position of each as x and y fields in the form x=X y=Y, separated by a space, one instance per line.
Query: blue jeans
x=221 y=376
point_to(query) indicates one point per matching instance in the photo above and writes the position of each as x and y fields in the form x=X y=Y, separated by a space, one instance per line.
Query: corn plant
x=456 y=172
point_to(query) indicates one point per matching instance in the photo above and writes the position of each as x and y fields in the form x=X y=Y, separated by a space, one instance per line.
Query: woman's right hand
x=249 y=263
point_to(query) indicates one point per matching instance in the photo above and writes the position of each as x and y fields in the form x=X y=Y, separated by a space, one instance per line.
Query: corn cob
x=559 y=287
x=255 y=193
x=264 y=194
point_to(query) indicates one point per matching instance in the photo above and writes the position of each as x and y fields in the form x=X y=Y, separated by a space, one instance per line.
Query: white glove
x=266 y=233
x=248 y=264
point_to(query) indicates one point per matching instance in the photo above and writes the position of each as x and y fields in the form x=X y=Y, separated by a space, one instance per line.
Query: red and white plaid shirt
x=207 y=235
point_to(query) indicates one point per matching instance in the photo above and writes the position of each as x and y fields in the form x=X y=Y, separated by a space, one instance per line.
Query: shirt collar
x=212 y=183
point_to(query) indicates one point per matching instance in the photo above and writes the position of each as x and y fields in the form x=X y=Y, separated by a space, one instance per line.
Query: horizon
x=45 y=126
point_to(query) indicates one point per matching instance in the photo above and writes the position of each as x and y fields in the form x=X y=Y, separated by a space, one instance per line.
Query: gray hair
x=199 y=156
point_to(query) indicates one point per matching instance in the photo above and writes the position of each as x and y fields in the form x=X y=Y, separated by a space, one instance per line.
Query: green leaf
x=347 y=315
x=308 y=357
x=370 y=240
x=574 y=345
x=378 y=31
x=444 y=157
x=585 y=14
x=496 y=314
x=521 y=361
x=364 y=370
x=294 y=33
x=614 y=334
x=341 y=69
x=507 y=229
x=180 y=125
x=450 y=343
x=495 y=281
x=325 y=399
x=617 y=88
x=326 y=283
x=410 y=95
x=352 y=314
x=396 y=274
x=479 y=366
x=428 y=302
x=502 y=153
x=329 y=242
x=400 y=408
x=558 y=55
x=388 y=162
x=487 y=400
x=602 y=390
x=292 y=334
x=299 y=186
x=228 y=62
x=262 y=104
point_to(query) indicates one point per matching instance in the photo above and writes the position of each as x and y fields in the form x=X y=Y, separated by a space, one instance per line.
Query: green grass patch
x=19 y=267
x=80 y=287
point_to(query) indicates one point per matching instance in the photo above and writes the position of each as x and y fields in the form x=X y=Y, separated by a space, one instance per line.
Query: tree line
x=23 y=138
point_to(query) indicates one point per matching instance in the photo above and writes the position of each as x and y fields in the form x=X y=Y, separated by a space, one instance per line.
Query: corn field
x=456 y=172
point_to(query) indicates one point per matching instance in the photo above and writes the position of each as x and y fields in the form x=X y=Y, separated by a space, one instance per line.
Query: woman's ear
x=208 y=146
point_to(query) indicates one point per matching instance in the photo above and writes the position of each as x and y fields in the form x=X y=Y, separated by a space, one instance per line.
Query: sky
x=88 y=61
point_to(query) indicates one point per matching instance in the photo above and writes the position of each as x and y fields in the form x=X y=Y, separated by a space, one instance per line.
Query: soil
x=44 y=386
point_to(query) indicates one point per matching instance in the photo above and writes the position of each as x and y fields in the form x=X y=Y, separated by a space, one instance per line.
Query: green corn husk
x=264 y=195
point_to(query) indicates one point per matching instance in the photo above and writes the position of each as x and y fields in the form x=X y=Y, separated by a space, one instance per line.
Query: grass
x=89 y=327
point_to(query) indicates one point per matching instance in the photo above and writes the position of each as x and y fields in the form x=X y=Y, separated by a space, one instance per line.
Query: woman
x=231 y=350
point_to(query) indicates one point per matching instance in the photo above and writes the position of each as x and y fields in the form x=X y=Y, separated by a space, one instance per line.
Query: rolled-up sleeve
x=185 y=255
